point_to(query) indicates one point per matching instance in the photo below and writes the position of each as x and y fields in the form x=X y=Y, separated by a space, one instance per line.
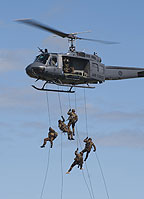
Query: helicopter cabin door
x=97 y=71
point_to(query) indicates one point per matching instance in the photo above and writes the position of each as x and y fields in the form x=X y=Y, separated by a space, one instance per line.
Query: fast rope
x=78 y=140
x=102 y=175
x=45 y=177
x=48 y=108
x=61 y=149
x=69 y=101
x=85 y=112
x=95 y=153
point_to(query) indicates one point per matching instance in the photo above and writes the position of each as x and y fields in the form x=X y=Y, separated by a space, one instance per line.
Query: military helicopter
x=74 y=69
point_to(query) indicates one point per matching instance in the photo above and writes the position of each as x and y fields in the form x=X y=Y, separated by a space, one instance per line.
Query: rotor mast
x=72 y=47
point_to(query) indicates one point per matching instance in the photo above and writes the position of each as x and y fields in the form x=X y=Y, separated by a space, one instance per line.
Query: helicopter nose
x=29 y=70
x=34 y=70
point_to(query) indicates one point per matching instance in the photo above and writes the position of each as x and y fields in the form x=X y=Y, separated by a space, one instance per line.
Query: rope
x=61 y=149
x=90 y=191
x=61 y=169
x=48 y=108
x=60 y=102
x=45 y=178
x=102 y=175
x=87 y=184
x=78 y=140
x=85 y=112
x=90 y=181
x=69 y=101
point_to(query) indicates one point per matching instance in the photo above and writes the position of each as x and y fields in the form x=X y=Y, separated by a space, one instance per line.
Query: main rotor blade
x=34 y=23
x=100 y=41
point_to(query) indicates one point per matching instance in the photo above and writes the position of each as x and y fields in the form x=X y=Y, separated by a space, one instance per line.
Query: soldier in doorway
x=51 y=136
x=66 y=65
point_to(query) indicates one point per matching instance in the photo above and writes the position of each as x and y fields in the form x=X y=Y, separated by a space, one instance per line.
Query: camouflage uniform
x=66 y=66
x=78 y=160
x=51 y=136
x=88 y=146
x=63 y=127
x=73 y=118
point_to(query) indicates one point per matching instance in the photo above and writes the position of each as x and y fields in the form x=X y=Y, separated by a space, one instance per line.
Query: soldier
x=88 y=147
x=73 y=118
x=64 y=128
x=66 y=65
x=51 y=136
x=78 y=160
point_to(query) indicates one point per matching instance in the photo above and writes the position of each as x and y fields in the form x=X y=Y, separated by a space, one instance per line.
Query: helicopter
x=74 y=68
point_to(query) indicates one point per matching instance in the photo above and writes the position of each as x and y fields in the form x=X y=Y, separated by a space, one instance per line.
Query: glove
x=70 y=109
x=94 y=150
x=77 y=149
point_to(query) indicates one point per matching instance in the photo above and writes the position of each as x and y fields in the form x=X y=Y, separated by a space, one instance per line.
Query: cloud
x=56 y=44
x=34 y=125
x=119 y=115
x=123 y=138
x=13 y=59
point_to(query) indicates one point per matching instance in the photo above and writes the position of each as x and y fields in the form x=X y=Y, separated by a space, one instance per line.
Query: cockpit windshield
x=43 y=57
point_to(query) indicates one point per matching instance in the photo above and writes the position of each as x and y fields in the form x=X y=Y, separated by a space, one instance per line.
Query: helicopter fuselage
x=75 y=68
x=69 y=68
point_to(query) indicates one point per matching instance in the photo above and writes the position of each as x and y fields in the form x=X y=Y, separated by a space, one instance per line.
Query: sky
x=115 y=109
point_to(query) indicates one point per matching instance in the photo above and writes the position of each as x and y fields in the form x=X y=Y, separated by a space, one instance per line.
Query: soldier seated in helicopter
x=78 y=160
x=53 y=61
x=66 y=66
x=64 y=128
x=51 y=136
x=73 y=118
x=88 y=146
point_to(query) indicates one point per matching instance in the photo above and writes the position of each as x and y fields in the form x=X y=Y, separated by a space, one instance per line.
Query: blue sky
x=115 y=109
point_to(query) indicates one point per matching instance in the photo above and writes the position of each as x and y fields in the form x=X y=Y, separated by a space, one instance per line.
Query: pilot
x=65 y=129
x=51 y=136
x=54 y=61
x=78 y=160
x=73 y=118
x=88 y=146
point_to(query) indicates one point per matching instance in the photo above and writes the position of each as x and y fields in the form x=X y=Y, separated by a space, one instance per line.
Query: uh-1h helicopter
x=73 y=69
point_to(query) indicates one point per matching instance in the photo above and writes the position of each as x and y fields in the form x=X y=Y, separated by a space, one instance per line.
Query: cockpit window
x=42 y=58
x=53 y=61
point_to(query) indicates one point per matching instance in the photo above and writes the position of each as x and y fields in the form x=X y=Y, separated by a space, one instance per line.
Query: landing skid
x=76 y=86
x=53 y=90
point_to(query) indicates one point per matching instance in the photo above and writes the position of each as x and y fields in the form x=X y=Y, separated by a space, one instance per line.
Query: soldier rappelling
x=51 y=136
x=78 y=160
x=88 y=146
x=73 y=118
x=64 y=128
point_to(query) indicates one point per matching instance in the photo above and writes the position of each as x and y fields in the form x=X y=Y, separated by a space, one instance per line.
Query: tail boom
x=118 y=72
